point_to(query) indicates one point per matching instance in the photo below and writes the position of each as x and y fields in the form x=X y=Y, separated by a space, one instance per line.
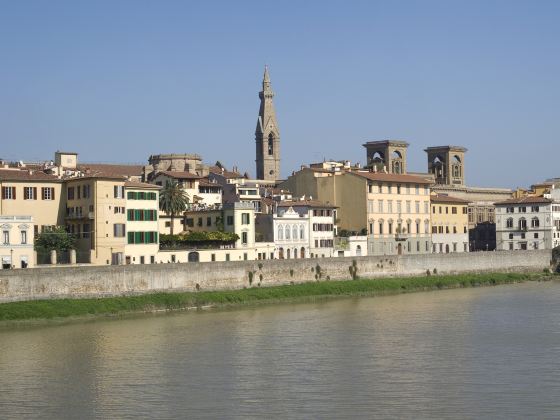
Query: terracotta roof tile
x=180 y=175
x=305 y=203
x=133 y=184
x=111 y=169
x=524 y=200
x=26 y=175
x=447 y=199
x=380 y=176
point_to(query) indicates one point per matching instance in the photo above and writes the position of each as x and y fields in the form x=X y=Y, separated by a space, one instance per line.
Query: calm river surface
x=470 y=353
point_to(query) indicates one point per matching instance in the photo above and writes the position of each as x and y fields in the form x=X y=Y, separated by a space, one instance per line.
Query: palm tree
x=173 y=200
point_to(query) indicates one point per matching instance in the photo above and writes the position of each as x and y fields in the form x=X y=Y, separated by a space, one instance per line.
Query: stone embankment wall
x=99 y=281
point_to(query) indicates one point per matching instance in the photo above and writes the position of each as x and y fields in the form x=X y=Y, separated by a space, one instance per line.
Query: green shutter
x=130 y=215
x=137 y=214
x=130 y=237
x=137 y=237
x=147 y=215
x=156 y=237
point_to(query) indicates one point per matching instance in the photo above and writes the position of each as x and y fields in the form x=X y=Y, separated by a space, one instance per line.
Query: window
x=287 y=232
x=270 y=144
x=509 y=222
x=380 y=205
x=30 y=193
x=301 y=232
x=381 y=228
x=453 y=210
x=229 y=220
x=522 y=224
x=245 y=218
x=8 y=193
x=208 y=221
x=390 y=189
x=417 y=189
x=6 y=237
x=390 y=206
x=408 y=204
x=280 y=232
x=118 y=230
x=118 y=191
x=244 y=238
x=398 y=188
x=23 y=237
x=510 y=209
x=522 y=209
x=86 y=232
x=417 y=207
x=426 y=207
x=47 y=193
x=399 y=206
x=535 y=222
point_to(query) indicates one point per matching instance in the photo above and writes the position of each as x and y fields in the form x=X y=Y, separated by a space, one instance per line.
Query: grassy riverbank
x=62 y=308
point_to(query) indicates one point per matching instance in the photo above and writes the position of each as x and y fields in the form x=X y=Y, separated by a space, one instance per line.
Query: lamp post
x=11 y=258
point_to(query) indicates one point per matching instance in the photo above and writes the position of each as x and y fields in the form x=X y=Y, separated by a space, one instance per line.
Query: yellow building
x=392 y=209
x=32 y=193
x=450 y=222
x=115 y=221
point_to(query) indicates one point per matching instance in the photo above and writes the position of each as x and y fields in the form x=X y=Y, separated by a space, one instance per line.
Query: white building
x=16 y=245
x=527 y=223
x=304 y=229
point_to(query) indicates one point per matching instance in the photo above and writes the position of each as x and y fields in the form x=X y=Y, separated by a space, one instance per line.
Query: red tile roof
x=26 y=175
x=381 y=176
x=305 y=203
x=440 y=198
x=179 y=175
x=111 y=169
x=143 y=185
x=524 y=200
x=205 y=182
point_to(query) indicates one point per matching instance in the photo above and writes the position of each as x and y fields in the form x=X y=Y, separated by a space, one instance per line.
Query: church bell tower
x=267 y=135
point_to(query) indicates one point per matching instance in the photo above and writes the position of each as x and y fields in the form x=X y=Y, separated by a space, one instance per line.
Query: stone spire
x=267 y=134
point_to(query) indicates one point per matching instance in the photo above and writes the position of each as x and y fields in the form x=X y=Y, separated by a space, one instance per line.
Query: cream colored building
x=142 y=223
x=16 y=242
x=450 y=224
x=32 y=193
x=97 y=210
x=392 y=209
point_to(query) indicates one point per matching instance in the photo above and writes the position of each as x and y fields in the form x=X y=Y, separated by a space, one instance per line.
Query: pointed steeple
x=267 y=134
x=266 y=78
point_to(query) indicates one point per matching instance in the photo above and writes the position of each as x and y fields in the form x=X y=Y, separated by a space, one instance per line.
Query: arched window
x=280 y=232
x=193 y=256
x=426 y=226
x=288 y=253
x=295 y=233
x=522 y=224
x=509 y=222
x=271 y=144
x=535 y=222
x=302 y=232
x=358 y=250
x=295 y=253
x=287 y=231
x=281 y=253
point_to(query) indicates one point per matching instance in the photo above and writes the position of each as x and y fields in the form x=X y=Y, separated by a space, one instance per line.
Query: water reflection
x=491 y=352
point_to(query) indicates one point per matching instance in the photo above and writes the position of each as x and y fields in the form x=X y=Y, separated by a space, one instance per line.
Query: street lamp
x=11 y=258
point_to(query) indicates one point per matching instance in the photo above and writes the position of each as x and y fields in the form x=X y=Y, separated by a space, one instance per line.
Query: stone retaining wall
x=98 y=281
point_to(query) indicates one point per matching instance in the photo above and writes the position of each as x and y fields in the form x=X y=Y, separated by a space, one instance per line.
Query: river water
x=469 y=353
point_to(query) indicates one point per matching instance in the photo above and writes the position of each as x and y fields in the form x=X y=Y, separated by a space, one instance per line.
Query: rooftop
x=26 y=175
x=524 y=200
x=442 y=198
x=305 y=203
x=383 y=177
x=180 y=175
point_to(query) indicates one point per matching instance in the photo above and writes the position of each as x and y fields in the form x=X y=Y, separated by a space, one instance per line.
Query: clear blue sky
x=120 y=80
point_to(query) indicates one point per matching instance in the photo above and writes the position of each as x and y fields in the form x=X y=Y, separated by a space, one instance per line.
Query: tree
x=56 y=238
x=173 y=200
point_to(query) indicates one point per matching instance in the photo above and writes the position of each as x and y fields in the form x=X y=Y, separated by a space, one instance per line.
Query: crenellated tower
x=267 y=135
